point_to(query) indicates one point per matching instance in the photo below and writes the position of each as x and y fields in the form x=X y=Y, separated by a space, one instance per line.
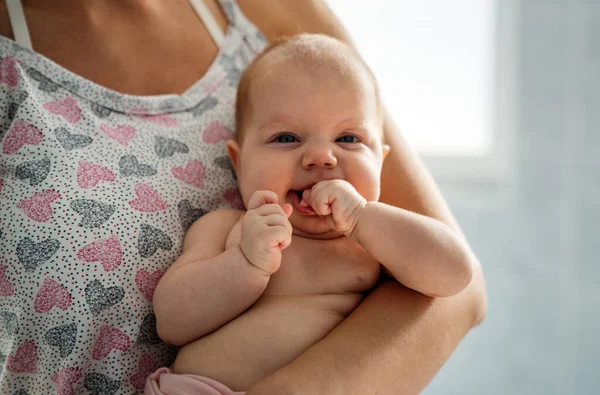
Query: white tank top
x=97 y=189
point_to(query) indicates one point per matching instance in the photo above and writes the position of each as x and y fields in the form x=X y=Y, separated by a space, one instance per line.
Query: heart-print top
x=97 y=189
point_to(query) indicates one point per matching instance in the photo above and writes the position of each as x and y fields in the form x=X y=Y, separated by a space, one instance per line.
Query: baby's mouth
x=299 y=205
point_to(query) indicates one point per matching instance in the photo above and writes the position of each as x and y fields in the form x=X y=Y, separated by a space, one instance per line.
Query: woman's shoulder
x=276 y=18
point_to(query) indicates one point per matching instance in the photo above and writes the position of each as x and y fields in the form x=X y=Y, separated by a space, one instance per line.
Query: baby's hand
x=266 y=230
x=338 y=201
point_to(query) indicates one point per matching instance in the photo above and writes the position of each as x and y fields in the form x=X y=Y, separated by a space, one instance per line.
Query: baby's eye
x=348 y=139
x=285 y=138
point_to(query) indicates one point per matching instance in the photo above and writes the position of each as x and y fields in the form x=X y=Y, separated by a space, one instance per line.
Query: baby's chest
x=324 y=267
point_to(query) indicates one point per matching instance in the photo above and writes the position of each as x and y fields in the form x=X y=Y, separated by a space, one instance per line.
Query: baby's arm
x=420 y=252
x=211 y=283
x=208 y=285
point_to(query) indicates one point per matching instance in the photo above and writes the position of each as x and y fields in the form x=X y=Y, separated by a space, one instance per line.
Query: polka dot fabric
x=97 y=189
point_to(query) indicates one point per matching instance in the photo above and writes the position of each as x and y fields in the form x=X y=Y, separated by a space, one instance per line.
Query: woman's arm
x=397 y=339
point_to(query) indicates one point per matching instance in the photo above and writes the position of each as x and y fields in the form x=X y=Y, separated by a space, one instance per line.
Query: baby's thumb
x=287 y=208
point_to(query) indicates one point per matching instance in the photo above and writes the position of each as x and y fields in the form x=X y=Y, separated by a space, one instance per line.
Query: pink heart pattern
x=6 y=287
x=64 y=380
x=51 y=294
x=215 y=132
x=148 y=199
x=25 y=360
x=123 y=134
x=8 y=71
x=20 y=134
x=108 y=252
x=90 y=174
x=108 y=340
x=234 y=198
x=146 y=366
x=193 y=173
x=66 y=108
x=147 y=282
x=159 y=119
x=37 y=206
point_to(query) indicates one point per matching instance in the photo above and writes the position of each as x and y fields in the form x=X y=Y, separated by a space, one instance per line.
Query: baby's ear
x=386 y=150
x=233 y=148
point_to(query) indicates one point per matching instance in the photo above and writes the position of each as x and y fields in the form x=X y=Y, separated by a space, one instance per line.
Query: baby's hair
x=314 y=52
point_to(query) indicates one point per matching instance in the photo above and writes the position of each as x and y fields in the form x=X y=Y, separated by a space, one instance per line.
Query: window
x=437 y=63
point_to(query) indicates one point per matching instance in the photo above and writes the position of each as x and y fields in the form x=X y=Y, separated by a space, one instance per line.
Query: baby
x=254 y=289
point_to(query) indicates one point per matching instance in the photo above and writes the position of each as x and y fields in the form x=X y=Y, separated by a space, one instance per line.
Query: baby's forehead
x=321 y=58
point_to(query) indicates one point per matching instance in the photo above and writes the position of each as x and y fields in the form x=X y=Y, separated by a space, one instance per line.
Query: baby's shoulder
x=214 y=226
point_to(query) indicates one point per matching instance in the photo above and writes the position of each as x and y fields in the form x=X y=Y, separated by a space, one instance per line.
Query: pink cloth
x=164 y=382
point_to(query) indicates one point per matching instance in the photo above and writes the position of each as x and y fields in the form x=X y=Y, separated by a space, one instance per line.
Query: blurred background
x=502 y=100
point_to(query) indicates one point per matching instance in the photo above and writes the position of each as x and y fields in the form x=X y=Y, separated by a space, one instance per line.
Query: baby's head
x=308 y=109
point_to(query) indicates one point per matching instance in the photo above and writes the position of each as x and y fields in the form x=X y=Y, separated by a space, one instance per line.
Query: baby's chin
x=312 y=227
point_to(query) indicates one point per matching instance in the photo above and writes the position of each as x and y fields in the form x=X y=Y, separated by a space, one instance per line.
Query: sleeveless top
x=97 y=189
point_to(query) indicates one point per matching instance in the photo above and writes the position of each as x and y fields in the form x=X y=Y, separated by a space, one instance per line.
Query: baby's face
x=304 y=128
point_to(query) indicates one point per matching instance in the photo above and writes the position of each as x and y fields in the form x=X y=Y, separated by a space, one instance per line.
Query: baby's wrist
x=356 y=214
x=249 y=262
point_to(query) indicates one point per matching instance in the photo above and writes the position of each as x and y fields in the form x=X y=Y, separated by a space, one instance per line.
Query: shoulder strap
x=16 y=16
x=208 y=20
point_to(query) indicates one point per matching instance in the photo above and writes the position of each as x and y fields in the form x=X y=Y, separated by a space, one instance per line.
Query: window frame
x=486 y=180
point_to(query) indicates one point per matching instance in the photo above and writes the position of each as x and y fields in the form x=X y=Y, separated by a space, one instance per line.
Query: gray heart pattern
x=130 y=166
x=71 y=141
x=32 y=254
x=70 y=85
x=46 y=85
x=21 y=392
x=10 y=322
x=13 y=107
x=35 y=171
x=187 y=214
x=94 y=213
x=234 y=72
x=225 y=163
x=165 y=147
x=148 y=334
x=99 y=298
x=204 y=105
x=100 y=111
x=151 y=239
x=63 y=337
x=100 y=384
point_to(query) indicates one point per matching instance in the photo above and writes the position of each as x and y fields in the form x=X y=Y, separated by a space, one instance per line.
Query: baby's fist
x=338 y=201
x=266 y=231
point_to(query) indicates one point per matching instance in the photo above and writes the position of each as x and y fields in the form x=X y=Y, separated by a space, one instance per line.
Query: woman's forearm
x=393 y=343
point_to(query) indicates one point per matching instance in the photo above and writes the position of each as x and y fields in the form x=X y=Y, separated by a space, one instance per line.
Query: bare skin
x=409 y=334
x=318 y=284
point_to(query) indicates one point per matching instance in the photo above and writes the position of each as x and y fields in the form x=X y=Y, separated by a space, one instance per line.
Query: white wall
x=540 y=244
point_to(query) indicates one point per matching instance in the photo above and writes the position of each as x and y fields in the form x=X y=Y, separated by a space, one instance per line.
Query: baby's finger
x=279 y=237
x=261 y=198
x=268 y=209
x=321 y=201
x=277 y=220
x=288 y=209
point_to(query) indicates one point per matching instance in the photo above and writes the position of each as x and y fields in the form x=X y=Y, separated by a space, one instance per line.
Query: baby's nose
x=319 y=156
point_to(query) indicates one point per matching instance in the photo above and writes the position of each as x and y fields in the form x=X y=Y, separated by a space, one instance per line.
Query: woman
x=112 y=136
